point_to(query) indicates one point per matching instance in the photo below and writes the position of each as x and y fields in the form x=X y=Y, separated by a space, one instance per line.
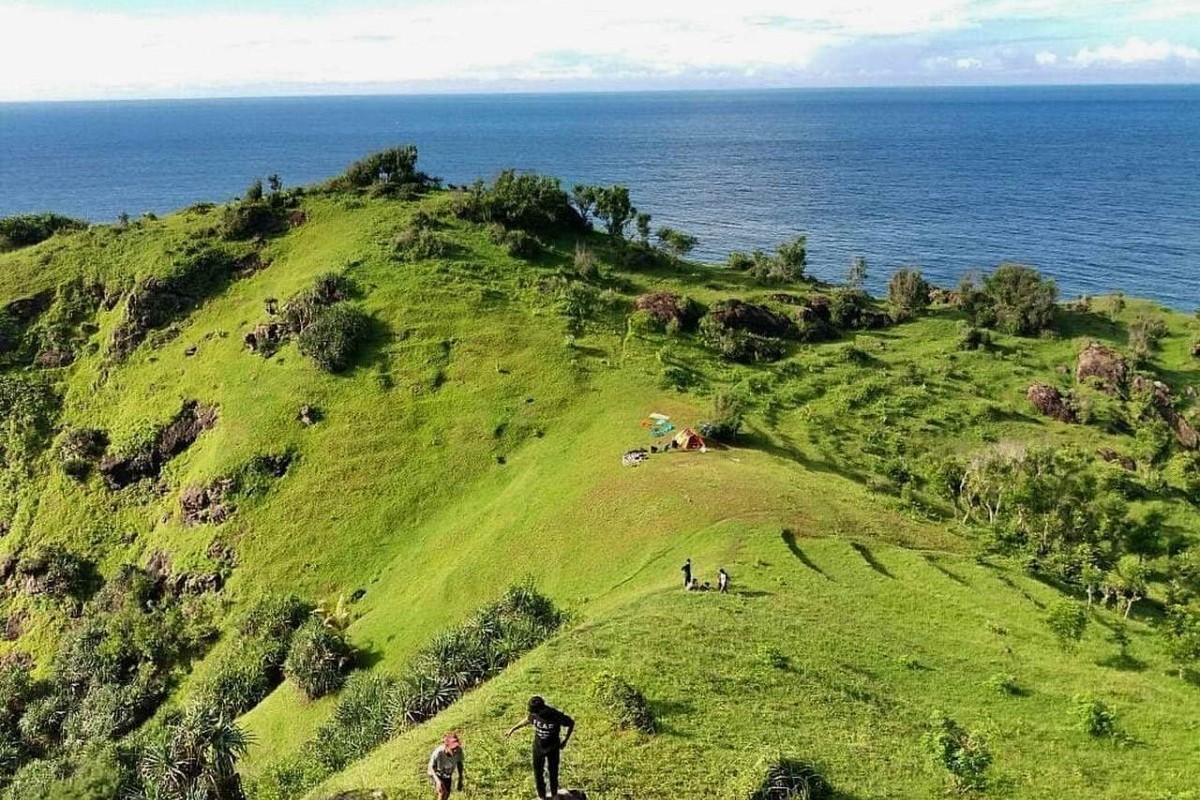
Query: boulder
x=739 y=315
x=54 y=358
x=1163 y=401
x=309 y=415
x=1105 y=366
x=1050 y=402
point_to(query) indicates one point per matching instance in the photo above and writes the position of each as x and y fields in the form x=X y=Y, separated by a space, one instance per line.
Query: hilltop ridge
x=260 y=458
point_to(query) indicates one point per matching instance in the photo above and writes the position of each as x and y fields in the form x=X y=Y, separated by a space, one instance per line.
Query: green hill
x=410 y=398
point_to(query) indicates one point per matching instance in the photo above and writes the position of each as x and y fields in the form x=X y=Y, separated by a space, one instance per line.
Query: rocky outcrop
x=760 y=320
x=668 y=307
x=1103 y=366
x=207 y=504
x=147 y=462
x=1163 y=401
x=1050 y=402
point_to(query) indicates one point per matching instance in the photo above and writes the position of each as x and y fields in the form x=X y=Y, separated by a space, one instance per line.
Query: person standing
x=686 y=569
x=447 y=757
x=723 y=581
x=547 y=723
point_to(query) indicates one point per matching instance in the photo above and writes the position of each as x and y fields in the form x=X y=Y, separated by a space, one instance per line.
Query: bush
x=525 y=201
x=1068 y=620
x=1145 y=333
x=419 y=244
x=251 y=218
x=908 y=293
x=738 y=345
x=972 y=338
x=1004 y=683
x=1018 y=300
x=242 y=680
x=847 y=307
x=29 y=229
x=625 y=705
x=317 y=659
x=728 y=410
x=1095 y=717
x=391 y=171
x=78 y=449
x=963 y=754
x=362 y=718
x=784 y=778
x=335 y=336
x=666 y=308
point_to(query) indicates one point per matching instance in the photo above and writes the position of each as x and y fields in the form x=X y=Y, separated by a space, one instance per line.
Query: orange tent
x=688 y=439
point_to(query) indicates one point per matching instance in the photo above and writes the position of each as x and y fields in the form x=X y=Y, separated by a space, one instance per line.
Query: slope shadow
x=872 y=562
x=789 y=538
x=933 y=561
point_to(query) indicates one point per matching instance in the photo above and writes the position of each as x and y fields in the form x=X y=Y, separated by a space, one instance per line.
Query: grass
x=475 y=443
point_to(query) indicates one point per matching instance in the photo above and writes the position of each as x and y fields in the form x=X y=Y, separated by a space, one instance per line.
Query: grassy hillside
x=475 y=439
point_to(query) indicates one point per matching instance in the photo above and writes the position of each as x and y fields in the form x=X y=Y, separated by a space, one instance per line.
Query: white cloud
x=1135 y=51
x=73 y=53
x=967 y=63
x=1046 y=58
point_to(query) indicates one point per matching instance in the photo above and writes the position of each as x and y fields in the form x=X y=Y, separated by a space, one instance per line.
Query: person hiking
x=447 y=757
x=547 y=724
x=723 y=581
x=686 y=569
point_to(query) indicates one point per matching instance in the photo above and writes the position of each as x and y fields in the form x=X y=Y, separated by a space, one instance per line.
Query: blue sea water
x=1098 y=186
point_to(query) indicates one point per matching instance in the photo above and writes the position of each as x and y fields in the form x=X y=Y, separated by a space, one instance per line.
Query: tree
x=908 y=293
x=856 y=275
x=584 y=199
x=641 y=223
x=792 y=256
x=614 y=209
x=964 y=754
x=1020 y=301
x=1181 y=630
x=274 y=183
x=677 y=242
x=254 y=192
x=1067 y=620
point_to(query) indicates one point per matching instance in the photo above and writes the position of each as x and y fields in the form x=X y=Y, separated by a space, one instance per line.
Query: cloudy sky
x=87 y=49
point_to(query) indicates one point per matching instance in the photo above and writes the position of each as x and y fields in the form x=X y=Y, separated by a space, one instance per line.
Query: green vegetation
x=219 y=558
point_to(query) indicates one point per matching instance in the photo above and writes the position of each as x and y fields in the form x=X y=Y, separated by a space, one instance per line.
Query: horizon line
x=477 y=92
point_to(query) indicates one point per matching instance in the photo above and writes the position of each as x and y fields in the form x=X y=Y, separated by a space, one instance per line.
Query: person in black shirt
x=686 y=569
x=547 y=724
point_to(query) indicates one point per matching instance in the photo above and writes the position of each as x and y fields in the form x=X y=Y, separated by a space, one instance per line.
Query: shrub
x=55 y=572
x=738 y=345
x=317 y=659
x=1019 y=300
x=728 y=410
x=335 y=336
x=678 y=243
x=521 y=244
x=585 y=263
x=242 y=680
x=525 y=201
x=783 y=778
x=1004 y=683
x=1145 y=333
x=1067 y=620
x=1095 y=717
x=963 y=754
x=846 y=307
x=908 y=293
x=29 y=229
x=362 y=718
x=251 y=218
x=773 y=657
x=972 y=338
x=419 y=243
x=625 y=705
x=392 y=171
x=78 y=449
x=1181 y=630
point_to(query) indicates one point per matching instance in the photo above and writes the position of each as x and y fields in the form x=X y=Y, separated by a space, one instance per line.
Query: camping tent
x=688 y=439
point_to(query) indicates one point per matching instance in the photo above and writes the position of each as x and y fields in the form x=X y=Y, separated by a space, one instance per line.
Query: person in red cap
x=447 y=757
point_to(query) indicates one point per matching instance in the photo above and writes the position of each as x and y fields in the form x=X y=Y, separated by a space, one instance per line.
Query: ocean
x=1096 y=186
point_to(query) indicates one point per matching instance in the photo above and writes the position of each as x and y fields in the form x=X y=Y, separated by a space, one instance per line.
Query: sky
x=119 y=49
